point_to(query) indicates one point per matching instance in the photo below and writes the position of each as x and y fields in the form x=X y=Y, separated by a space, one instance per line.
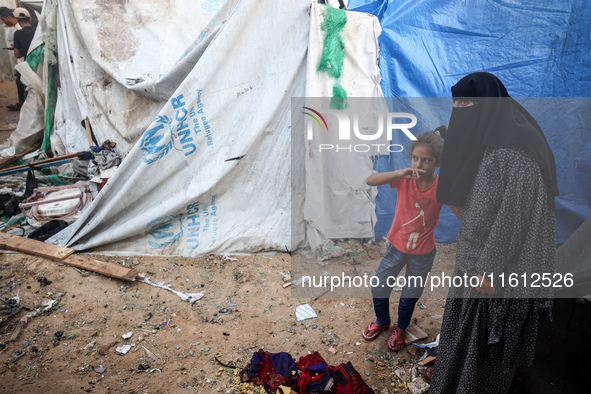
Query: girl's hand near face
x=411 y=173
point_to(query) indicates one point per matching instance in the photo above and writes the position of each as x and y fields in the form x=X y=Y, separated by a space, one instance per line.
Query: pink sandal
x=394 y=336
x=377 y=330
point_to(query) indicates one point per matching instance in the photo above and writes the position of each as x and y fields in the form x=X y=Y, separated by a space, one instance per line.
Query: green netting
x=333 y=54
x=35 y=58
x=49 y=109
x=55 y=180
x=15 y=219
x=339 y=97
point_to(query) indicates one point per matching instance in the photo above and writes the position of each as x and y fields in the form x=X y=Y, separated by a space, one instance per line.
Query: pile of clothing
x=279 y=372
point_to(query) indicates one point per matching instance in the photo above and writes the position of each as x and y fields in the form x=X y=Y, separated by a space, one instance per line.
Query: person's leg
x=417 y=269
x=20 y=87
x=390 y=266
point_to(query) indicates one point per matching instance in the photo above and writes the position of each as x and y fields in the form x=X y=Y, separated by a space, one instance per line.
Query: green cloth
x=333 y=54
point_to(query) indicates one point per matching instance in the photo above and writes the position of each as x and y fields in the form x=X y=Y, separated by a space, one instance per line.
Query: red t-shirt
x=416 y=217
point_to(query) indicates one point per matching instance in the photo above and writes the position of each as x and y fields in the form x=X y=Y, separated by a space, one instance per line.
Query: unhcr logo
x=349 y=130
x=179 y=131
x=165 y=230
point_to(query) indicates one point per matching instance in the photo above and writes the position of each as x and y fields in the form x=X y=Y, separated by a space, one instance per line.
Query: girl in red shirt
x=412 y=238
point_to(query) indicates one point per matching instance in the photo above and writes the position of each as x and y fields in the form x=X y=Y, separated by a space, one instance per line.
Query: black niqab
x=497 y=121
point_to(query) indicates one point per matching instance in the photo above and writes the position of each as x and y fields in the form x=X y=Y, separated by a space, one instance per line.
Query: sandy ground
x=174 y=343
x=8 y=119
x=245 y=307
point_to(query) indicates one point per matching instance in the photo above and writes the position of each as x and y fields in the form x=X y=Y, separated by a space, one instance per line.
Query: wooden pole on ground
x=65 y=256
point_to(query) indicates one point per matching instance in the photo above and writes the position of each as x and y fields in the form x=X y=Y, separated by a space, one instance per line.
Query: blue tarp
x=537 y=48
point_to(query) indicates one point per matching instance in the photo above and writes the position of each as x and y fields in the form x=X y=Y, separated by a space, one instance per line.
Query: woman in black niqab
x=497 y=166
x=496 y=121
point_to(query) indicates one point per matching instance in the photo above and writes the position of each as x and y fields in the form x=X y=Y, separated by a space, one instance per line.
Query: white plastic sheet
x=212 y=172
x=337 y=199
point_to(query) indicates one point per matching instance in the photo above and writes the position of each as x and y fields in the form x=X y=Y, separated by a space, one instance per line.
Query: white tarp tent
x=200 y=96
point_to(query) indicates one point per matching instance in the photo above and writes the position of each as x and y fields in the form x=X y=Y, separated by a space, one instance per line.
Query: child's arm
x=384 y=178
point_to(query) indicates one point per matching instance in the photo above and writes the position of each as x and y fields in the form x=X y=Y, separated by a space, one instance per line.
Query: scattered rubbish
x=164 y=323
x=16 y=355
x=357 y=343
x=90 y=345
x=366 y=373
x=301 y=282
x=143 y=367
x=3 y=346
x=225 y=334
x=332 y=350
x=436 y=317
x=149 y=353
x=314 y=326
x=418 y=386
x=100 y=369
x=206 y=349
x=177 y=347
x=401 y=374
x=7 y=288
x=190 y=297
x=304 y=312
x=122 y=350
x=427 y=360
x=329 y=250
x=226 y=257
x=232 y=305
x=104 y=349
x=43 y=281
x=59 y=334
x=223 y=310
x=13 y=306
x=155 y=369
x=414 y=333
x=433 y=344
x=127 y=336
x=191 y=353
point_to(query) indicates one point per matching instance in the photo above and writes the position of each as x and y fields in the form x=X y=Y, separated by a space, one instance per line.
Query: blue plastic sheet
x=537 y=48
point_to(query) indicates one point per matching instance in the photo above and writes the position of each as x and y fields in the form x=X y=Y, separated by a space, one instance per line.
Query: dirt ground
x=177 y=346
x=8 y=119
x=174 y=343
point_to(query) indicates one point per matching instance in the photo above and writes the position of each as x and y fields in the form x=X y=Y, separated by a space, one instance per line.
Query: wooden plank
x=88 y=132
x=109 y=269
x=427 y=360
x=64 y=255
x=10 y=159
x=33 y=247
